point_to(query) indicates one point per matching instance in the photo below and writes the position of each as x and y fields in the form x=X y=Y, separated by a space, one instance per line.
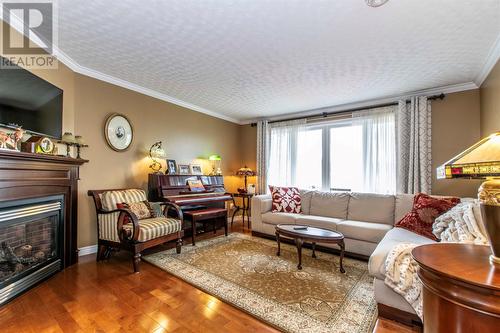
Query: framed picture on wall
x=171 y=167
x=183 y=169
x=195 y=169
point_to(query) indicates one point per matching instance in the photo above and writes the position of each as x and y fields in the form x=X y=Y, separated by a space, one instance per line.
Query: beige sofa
x=367 y=222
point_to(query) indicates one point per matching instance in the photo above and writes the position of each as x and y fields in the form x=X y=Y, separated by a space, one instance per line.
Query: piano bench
x=204 y=216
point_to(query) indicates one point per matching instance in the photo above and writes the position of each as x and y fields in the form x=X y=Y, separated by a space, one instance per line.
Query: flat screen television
x=30 y=102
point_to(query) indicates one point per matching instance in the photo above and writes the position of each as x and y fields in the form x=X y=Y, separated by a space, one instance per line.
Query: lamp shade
x=156 y=150
x=245 y=171
x=214 y=158
x=478 y=161
x=68 y=137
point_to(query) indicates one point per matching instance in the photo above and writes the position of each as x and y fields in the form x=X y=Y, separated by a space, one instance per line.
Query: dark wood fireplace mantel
x=27 y=175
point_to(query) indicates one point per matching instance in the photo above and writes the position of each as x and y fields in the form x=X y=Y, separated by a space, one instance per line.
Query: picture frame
x=184 y=169
x=171 y=167
x=196 y=169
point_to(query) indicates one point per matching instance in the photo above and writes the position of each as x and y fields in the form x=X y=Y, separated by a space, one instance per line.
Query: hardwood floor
x=108 y=297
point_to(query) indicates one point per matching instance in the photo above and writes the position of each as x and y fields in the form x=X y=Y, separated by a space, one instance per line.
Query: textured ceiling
x=250 y=59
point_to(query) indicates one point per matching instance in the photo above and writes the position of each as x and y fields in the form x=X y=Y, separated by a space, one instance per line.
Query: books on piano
x=196 y=185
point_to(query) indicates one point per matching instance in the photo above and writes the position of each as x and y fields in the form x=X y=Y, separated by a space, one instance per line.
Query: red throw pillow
x=286 y=200
x=141 y=209
x=425 y=210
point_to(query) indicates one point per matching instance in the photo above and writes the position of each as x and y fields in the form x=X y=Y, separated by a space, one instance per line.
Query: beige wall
x=490 y=102
x=455 y=126
x=186 y=136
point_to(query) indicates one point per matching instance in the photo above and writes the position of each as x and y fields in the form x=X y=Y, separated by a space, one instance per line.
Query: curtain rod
x=326 y=114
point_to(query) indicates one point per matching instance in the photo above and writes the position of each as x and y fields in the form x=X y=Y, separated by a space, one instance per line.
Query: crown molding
x=369 y=103
x=490 y=62
x=76 y=67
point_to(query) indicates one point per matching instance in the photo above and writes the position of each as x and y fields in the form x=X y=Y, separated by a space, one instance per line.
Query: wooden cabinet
x=461 y=288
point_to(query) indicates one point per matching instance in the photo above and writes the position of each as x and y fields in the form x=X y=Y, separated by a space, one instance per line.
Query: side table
x=245 y=206
x=461 y=288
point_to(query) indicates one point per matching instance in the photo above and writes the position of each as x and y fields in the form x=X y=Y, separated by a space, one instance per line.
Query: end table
x=461 y=289
x=245 y=207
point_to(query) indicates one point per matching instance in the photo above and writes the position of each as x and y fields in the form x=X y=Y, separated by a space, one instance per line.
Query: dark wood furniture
x=174 y=189
x=129 y=239
x=461 y=288
x=28 y=175
x=245 y=206
x=314 y=235
x=205 y=216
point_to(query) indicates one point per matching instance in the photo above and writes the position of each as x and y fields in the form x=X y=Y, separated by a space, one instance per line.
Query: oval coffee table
x=302 y=233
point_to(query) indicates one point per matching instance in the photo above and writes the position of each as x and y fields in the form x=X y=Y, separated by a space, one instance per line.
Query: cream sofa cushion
x=365 y=231
x=279 y=218
x=329 y=204
x=305 y=199
x=404 y=203
x=376 y=264
x=370 y=207
x=329 y=223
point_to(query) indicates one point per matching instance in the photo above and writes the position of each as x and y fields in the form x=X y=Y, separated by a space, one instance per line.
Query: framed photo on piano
x=183 y=169
x=171 y=167
x=195 y=169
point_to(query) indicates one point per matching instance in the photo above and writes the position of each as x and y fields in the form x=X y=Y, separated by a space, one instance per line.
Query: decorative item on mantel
x=10 y=140
x=80 y=143
x=69 y=140
x=38 y=144
x=216 y=162
x=482 y=161
x=156 y=151
x=245 y=172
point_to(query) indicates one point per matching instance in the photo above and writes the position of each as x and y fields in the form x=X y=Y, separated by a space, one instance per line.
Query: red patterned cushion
x=425 y=210
x=286 y=200
x=141 y=209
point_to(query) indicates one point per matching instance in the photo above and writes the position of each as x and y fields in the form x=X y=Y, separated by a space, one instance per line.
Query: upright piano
x=174 y=188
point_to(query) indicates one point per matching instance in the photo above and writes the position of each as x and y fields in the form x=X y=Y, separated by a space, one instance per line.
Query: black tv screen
x=30 y=102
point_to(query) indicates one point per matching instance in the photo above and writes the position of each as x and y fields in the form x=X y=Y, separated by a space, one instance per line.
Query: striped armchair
x=121 y=228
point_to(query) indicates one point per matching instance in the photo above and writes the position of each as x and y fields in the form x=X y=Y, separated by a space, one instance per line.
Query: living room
x=170 y=167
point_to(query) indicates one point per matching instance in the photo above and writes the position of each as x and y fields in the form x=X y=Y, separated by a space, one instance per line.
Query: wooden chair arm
x=122 y=233
x=176 y=207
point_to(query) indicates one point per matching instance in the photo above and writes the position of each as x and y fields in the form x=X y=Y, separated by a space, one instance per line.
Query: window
x=309 y=159
x=346 y=158
x=354 y=154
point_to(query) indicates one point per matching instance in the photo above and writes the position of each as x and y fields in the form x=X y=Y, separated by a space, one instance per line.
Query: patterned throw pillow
x=425 y=210
x=286 y=200
x=141 y=209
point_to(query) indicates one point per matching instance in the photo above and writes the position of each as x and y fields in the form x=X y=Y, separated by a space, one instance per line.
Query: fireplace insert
x=31 y=243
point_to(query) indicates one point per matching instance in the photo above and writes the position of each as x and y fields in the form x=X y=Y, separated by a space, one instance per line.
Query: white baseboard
x=83 y=251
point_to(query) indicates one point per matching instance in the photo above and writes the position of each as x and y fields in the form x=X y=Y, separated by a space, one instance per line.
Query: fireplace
x=38 y=218
x=31 y=238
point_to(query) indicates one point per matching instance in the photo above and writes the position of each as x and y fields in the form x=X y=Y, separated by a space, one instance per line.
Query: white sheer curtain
x=283 y=152
x=379 y=149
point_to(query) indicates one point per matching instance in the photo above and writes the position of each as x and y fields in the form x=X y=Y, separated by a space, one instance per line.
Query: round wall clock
x=118 y=132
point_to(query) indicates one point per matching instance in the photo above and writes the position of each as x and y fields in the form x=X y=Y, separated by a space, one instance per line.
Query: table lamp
x=482 y=161
x=156 y=151
x=216 y=160
x=245 y=172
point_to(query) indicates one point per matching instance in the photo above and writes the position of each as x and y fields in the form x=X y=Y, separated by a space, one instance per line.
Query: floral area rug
x=244 y=271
